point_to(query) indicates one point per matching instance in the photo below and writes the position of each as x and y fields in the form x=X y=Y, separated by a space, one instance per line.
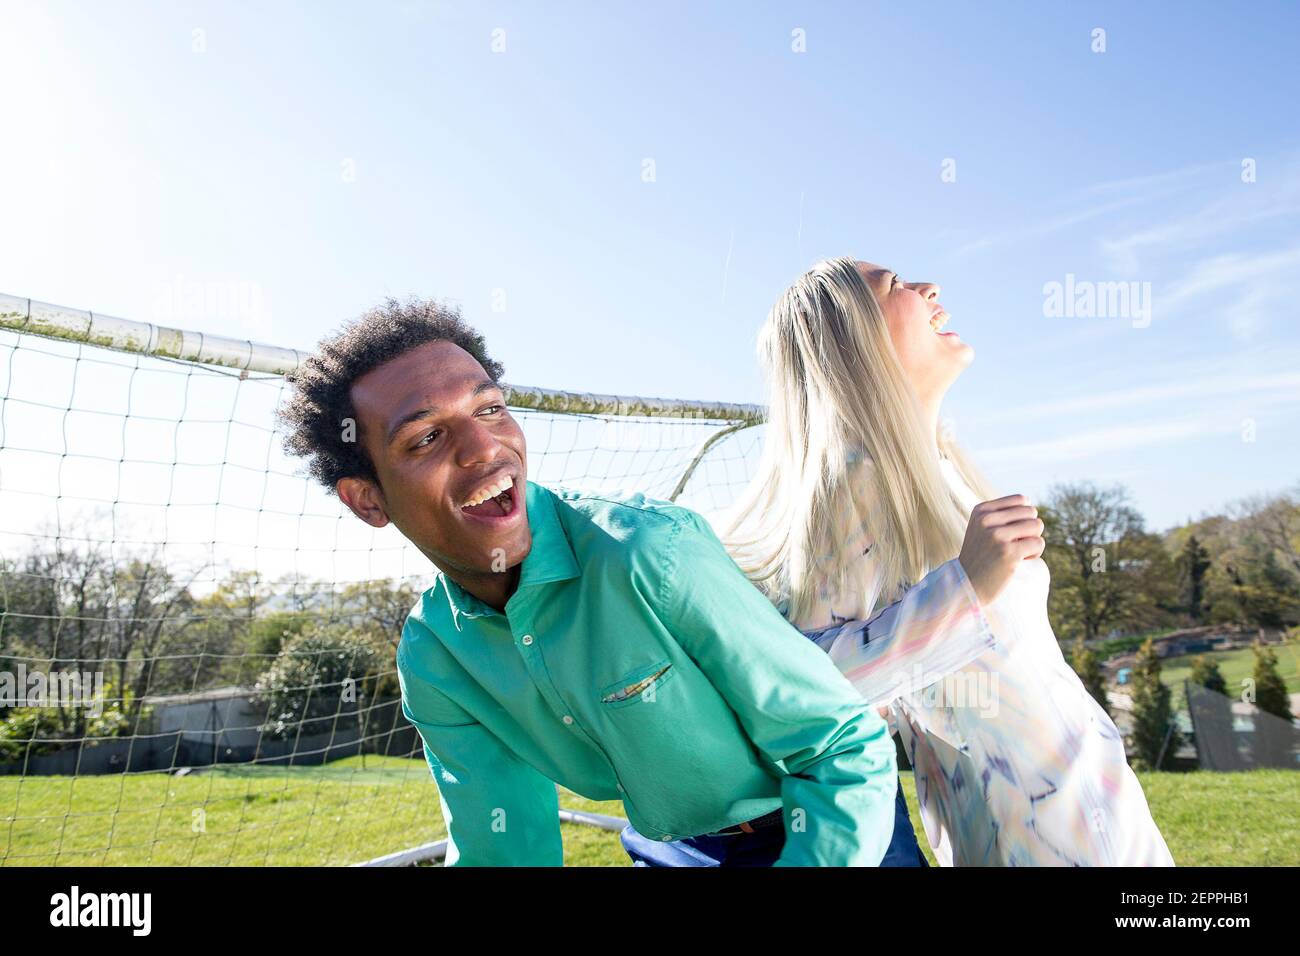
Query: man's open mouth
x=496 y=499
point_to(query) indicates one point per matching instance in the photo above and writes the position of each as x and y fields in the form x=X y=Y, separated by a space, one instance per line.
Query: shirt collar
x=550 y=558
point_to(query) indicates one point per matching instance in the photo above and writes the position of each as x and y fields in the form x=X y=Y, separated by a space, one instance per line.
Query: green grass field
x=345 y=813
x=1235 y=666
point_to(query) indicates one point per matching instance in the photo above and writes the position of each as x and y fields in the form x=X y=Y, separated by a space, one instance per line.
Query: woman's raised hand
x=1001 y=533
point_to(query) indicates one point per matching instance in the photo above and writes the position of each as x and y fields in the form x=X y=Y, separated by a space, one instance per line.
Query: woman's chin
x=952 y=348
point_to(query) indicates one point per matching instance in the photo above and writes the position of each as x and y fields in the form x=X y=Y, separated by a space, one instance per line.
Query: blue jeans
x=760 y=848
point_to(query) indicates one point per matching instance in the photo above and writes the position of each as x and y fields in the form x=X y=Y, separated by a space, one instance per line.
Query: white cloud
x=1232 y=269
x=1178 y=176
x=1245 y=205
x=1055 y=224
x=1141 y=189
x=1182 y=389
x=1109 y=440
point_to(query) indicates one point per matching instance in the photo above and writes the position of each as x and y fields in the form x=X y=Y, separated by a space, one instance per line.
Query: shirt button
x=620 y=789
x=666 y=838
x=528 y=639
x=568 y=719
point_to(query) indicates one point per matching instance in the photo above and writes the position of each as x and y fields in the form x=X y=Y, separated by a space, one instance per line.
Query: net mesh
x=196 y=642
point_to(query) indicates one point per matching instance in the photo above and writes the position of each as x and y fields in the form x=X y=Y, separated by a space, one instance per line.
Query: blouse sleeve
x=937 y=627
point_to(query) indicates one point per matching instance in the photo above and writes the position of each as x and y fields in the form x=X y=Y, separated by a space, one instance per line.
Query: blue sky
x=325 y=155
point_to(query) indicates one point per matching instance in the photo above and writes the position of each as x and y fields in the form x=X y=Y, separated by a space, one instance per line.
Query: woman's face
x=932 y=357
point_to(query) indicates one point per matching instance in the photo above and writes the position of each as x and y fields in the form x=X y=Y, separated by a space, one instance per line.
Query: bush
x=318 y=681
x=30 y=732
x=1206 y=673
x=33 y=731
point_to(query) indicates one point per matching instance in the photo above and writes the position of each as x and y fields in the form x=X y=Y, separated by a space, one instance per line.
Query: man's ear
x=364 y=499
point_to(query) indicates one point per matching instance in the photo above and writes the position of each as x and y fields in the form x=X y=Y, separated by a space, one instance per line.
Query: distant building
x=226 y=718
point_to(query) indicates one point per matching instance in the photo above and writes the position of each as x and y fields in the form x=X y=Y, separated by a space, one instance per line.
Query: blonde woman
x=878 y=538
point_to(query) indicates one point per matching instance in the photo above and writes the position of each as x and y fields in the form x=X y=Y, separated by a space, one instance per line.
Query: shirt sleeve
x=937 y=627
x=499 y=810
x=835 y=753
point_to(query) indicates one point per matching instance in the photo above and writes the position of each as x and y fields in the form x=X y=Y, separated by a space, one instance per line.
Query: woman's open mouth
x=938 y=320
x=494 y=503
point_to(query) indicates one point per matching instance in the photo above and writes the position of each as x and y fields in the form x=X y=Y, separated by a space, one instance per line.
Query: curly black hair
x=313 y=416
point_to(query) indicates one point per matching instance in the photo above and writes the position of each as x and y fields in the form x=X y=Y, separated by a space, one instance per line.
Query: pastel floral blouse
x=1015 y=763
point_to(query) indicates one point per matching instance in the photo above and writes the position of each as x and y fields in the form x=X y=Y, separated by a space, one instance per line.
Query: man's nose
x=476 y=443
x=927 y=290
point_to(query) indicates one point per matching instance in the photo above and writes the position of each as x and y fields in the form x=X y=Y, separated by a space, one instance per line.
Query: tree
x=1211 y=711
x=1256 y=552
x=1272 y=743
x=379 y=607
x=1275 y=521
x=150 y=615
x=380 y=610
x=1088 y=668
x=1205 y=672
x=1193 y=564
x=268 y=633
x=1107 y=571
x=1259 y=591
x=1150 y=578
x=1270 y=690
x=1154 y=732
x=99 y=609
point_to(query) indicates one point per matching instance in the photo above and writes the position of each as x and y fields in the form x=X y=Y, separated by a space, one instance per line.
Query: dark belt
x=775 y=818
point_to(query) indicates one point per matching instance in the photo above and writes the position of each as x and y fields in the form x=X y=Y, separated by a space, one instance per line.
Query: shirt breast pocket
x=638 y=686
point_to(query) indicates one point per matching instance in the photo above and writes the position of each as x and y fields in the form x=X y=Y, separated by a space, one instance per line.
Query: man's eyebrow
x=487 y=385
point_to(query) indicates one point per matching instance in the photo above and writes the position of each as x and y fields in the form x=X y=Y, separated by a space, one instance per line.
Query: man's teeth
x=939 y=321
x=489 y=491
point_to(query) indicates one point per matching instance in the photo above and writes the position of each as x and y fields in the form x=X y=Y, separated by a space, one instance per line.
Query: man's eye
x=421 y=442
x=493 y=407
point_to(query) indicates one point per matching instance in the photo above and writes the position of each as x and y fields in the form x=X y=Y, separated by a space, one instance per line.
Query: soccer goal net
x=196 y=641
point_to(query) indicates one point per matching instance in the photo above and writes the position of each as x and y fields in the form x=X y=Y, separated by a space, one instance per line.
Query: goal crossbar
x=146 y=338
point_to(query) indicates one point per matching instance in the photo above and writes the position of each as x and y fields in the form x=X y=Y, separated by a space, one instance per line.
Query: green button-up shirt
x=636 y=662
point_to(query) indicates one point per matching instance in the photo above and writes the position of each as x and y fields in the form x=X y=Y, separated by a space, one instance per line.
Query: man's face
x=440 y=437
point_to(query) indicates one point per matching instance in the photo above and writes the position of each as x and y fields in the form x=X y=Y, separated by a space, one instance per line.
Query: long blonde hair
x=845 y=450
